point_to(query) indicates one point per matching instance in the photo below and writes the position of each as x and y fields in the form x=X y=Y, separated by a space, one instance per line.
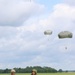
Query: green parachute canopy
x=65 y=34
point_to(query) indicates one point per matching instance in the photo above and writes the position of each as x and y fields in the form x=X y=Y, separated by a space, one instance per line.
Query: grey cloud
x=14 y=13
x=70 y=2
x=20 y=42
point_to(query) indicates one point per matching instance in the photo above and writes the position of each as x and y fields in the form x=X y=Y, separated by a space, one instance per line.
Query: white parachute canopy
x=65 y=34
x=47 y=32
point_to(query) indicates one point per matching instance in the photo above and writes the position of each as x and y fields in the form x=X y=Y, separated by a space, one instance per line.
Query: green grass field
x=42 y=74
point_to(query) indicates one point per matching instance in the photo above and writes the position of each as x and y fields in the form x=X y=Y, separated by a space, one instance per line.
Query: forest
x=28 y=69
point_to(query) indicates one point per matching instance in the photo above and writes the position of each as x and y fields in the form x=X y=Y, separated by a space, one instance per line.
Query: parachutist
x=65 y=47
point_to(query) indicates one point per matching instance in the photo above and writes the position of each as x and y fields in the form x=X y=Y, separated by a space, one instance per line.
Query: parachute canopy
x=65 y=34
x=47 y=32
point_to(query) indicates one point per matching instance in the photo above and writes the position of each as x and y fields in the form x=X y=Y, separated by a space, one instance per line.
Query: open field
x=42 y=74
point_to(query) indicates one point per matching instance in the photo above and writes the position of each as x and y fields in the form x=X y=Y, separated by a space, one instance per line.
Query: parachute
x=65 y=34
x=47 y=32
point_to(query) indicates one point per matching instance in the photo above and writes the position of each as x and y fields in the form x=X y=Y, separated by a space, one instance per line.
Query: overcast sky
x=22 y=39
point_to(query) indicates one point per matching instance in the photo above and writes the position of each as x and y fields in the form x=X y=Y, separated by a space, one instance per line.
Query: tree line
x=39 y=69
x=28 y=69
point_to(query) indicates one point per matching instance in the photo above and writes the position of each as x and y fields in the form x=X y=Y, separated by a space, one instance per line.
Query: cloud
x=26 y=45
x=61 y=19
x=70 y=2
x=14 y=13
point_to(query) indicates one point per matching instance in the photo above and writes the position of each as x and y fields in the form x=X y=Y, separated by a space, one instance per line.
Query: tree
x=66 y=71
x=60 y=70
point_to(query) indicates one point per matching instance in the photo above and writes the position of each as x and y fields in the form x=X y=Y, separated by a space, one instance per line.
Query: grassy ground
x=42 y=74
